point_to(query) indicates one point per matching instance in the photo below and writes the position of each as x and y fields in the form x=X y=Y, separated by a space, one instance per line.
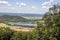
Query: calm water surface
x=22 y=23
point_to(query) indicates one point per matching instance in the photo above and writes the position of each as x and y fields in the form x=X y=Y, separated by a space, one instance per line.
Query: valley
x=16 y=20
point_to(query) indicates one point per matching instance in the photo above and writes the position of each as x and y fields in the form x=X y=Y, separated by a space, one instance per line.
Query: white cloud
x=21 y=4
x=44 y=7
x=21 y=7
x=6 y=6
x=5 y=3
x=45 y=3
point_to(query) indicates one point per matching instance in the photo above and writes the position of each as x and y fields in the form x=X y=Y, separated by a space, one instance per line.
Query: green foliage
x=45 y=33
x=5 y=33
x=22 y=36
x=50 y=30
x=52 y=20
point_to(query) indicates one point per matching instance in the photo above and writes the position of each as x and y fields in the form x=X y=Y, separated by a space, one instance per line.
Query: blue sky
x=26 y=6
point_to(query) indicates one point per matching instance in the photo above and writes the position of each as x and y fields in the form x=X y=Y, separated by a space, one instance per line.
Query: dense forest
x=48 y=30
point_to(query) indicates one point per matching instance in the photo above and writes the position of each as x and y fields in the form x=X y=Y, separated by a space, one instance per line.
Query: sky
x=27 y=6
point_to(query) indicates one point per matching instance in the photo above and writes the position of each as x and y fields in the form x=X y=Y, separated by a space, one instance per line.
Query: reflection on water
x=23 y=23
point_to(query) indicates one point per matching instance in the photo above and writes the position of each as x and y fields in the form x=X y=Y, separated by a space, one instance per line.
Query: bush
x=5 y=33
x=21 y=36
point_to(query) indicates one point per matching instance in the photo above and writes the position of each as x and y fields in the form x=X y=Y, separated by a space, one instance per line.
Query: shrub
x=5 y=33
x=21 y=36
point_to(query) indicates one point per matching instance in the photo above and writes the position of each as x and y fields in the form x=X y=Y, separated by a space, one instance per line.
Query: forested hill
x=8 y=18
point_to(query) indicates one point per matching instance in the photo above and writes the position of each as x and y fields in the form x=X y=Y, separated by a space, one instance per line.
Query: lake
x=23 y=23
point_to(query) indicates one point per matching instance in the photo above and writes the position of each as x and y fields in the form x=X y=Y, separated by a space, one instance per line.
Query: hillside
x=8 y=18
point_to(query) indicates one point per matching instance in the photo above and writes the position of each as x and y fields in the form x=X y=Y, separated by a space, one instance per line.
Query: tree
x=50 y=29
x=52 y=19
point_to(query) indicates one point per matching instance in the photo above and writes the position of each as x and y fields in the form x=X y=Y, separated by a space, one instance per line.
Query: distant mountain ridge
x=21 y=14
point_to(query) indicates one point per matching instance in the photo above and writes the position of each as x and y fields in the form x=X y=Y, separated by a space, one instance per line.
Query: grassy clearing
x=20 y=28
